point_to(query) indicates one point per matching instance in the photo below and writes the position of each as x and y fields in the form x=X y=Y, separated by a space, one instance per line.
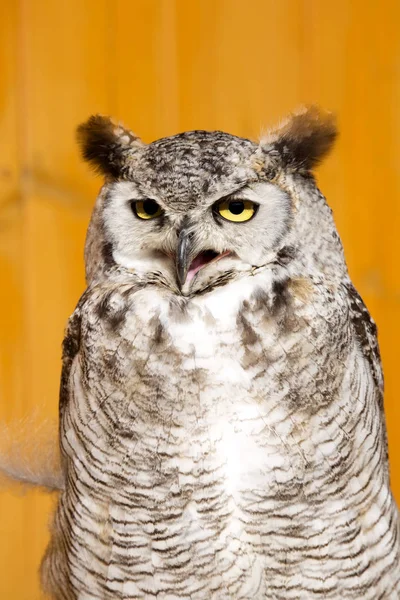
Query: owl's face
x=174 y=216
x=196 y=209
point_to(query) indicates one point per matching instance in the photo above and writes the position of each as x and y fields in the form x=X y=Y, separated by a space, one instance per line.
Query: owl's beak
x=184 y=254
x=188 y=261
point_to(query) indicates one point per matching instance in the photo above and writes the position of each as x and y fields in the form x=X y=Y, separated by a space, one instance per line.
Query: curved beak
x=184 y=253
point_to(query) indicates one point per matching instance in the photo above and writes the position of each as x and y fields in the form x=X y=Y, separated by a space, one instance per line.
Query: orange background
x=163 y=66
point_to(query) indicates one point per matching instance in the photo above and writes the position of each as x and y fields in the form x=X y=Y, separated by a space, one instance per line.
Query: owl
x=222 y=430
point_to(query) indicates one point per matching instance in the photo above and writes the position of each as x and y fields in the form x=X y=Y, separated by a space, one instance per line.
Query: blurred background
x=163 y=66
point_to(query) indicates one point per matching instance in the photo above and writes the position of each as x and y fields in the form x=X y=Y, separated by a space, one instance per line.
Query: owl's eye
x=146 y=209
x=237 y=210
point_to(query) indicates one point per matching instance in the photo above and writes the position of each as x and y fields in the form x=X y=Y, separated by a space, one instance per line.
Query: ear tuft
x=106 y=146
x=303 y=139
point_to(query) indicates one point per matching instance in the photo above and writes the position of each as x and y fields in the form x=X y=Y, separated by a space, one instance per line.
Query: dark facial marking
x=107 y=253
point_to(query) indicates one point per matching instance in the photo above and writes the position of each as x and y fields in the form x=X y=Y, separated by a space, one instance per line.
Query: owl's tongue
x=201 y=260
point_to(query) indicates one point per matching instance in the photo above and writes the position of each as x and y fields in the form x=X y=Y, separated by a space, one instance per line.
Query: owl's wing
x=367 y=336
x=70 y=349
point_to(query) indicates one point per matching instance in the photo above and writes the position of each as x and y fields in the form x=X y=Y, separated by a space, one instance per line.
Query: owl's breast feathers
x=231 y=441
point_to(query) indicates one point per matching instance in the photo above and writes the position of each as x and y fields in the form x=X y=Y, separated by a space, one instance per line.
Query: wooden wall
x=163 y=66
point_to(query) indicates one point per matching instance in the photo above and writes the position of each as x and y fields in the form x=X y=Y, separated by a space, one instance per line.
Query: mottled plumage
x=222 y=429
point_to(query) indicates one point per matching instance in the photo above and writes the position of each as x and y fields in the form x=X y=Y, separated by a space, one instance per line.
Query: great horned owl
x=221 y=418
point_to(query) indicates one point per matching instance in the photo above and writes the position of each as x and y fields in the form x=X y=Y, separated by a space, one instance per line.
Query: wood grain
x=163 y=66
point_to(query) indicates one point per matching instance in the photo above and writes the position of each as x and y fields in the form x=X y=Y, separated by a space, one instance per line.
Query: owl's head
x=194 y=210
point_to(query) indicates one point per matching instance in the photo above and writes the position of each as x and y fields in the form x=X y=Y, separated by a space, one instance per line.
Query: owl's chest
x=221 y=388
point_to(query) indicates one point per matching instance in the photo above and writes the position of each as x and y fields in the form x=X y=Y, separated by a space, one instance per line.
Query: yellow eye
x=146 y=209
x=237 y=210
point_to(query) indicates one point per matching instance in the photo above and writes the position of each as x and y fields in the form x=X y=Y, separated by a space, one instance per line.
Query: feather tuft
x=304 y=139
x=29 y=455
x=106 y=145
